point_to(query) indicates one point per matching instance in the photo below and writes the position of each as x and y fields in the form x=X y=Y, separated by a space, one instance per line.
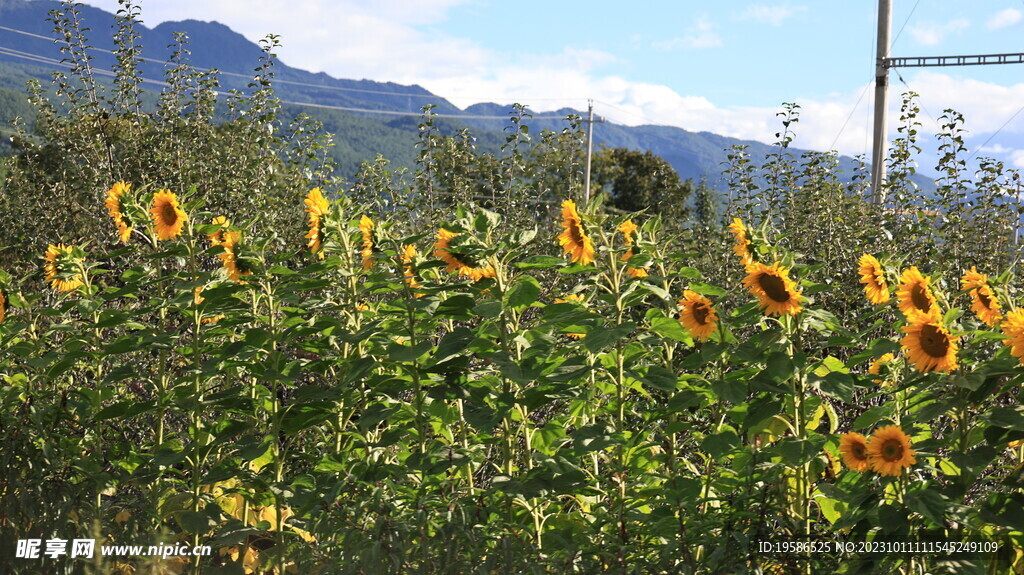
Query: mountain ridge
x=213 y=44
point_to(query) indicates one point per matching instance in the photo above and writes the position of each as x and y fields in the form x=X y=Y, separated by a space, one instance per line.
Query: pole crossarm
x=976 y=60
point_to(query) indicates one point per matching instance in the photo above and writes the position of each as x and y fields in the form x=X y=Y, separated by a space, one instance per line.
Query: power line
x=848 y=117
x=238 y=75
x=897 y=37
x=993 y=135
x=294 y=82
x=46 y=60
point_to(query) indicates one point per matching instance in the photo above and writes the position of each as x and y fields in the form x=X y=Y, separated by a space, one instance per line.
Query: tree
x=232 y=156
x=638 y=180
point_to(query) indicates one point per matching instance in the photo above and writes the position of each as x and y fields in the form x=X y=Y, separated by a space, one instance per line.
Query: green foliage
x=642 y=181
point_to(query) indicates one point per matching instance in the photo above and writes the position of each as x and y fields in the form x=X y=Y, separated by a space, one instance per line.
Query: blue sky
x=722 y=67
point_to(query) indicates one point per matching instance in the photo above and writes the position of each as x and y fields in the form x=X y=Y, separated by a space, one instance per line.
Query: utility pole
x=882 y=64
x=590 y=149
x=881 y=100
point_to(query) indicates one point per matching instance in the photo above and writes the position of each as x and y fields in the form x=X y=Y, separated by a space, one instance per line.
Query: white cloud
x=933 y=33
x=773 y=15
x=698 y=36
x=1004 y=19
x=364 y=38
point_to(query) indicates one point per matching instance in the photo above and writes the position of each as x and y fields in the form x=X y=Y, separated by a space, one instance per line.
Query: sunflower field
x=450 y=373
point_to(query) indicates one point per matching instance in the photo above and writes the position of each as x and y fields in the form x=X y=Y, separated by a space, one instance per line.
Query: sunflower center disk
x=774 y=287
x=919 y=297
x=892 y=450
x=576 y=233
x=700 y=314
x=985 y=300
x=169 y=215
x=934 y=342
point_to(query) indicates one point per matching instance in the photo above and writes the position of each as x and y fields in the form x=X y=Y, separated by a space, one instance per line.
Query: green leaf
x=523 y=292
x=780 y=366
x=720 y=444
x=872 y=416
x=522 y=237
x=670 y=328
x=402 y=353
x=124 y=409
x=660 y=378
x=830 y=508
x=600 y=338
x=195 y=522
x=488 y=309
x=539 y=262
x=486 y=220
x=799 y=451
x=837 y=385
x=306 y=415
x=452 y=344
x=1006 y=417
x=456 y=307
x=733 y=390
x=930 y=504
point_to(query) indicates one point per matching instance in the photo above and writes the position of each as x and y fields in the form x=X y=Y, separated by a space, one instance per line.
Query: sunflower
x=915 y=295
x=929 y=345
x=228 y=240
x=63 y=268
x=742 y=247
x=854 y=449
x=168 y=218
x=983 y=300
x=316 y=207
x=217 y=237
x=872 y=275
x=697 y=315
x=408 y=256
x=876 y=367
x=889 y=451
x=459 y=263
x=628 y=229
x=577 y=299
x=366 y=227
x=574 y=239
x=774 y=290
x=1013 y=329
x=116 y=209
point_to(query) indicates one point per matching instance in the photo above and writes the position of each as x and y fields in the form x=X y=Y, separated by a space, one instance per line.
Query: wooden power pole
x=881 y=100
x=590 y=149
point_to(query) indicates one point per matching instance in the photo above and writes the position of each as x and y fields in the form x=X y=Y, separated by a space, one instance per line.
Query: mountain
x=389 y=118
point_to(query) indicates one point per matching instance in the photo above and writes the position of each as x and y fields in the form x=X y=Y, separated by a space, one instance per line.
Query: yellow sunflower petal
x=316 y=207
x=168 y=217
x=872 y=275
x=915 y=294
x=889 y=451
x=574 y=240
x=929 y=345
x=984 y=302
x=854 y=449
x=697 y=315
x=775 y=292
